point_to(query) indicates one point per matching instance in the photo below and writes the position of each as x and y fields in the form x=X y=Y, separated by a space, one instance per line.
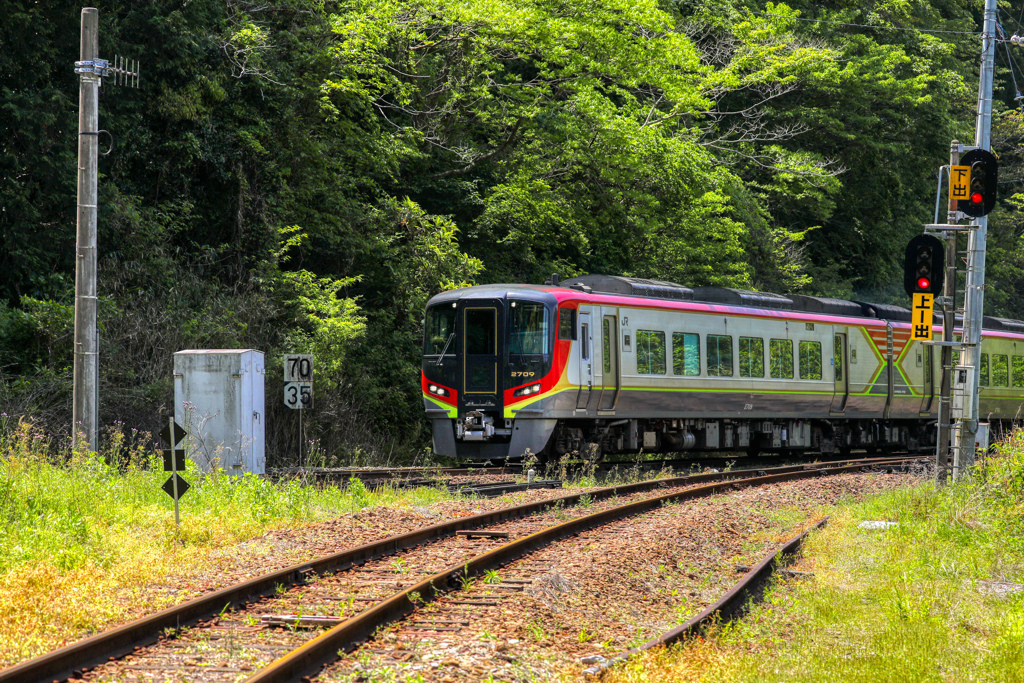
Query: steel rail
x=122 y=640
x=730 y=603
x=313 y=655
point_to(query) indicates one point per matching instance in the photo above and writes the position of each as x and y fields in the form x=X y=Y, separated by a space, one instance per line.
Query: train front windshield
x=530 y=339
x=439 y=330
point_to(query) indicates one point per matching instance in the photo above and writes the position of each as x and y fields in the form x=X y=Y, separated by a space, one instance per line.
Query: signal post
x=930 y=267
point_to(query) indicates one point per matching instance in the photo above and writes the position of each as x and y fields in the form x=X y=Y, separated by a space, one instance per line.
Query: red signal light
x=923 y=283
x=977 y=198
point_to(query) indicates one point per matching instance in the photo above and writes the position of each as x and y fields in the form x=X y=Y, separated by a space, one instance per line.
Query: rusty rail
x=311 y=657
x=730 y=603
x=94 y=650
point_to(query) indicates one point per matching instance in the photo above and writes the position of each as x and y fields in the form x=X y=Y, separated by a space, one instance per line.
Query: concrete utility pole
x=963 y=455
x=85 y=420
x=85 y=412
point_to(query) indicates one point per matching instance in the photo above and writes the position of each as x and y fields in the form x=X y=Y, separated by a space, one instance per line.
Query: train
x=604 y=364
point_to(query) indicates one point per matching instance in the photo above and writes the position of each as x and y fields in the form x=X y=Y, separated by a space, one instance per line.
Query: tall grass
x=83 y=542
x=932 y=599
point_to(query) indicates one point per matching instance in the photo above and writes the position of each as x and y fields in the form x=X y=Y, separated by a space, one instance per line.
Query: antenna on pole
x=91 y=71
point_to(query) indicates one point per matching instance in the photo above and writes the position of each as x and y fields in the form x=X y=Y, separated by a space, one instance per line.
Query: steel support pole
x=974 y=292
x=85 y=410
x=948 y=323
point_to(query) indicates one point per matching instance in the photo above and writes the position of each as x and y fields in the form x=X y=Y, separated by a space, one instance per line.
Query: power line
x=840 y=23
x=1009 y=60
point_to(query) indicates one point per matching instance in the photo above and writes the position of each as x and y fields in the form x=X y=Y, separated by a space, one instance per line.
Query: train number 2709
x=523 y=374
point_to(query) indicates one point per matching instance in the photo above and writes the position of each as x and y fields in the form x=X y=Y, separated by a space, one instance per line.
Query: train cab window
x=685 y=354
x=585 y=341
x=567 y=323
x=719 y=355
x=751 y=357
x=438 y=329
x=810 y=360
x=983 y=371
x=1000 y=370
x=1018 y=371
x=650 y=352
x=481 y=333
x=528 y=329
x=780 y=352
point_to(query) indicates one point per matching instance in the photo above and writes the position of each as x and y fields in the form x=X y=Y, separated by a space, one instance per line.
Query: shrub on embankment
x=936 y=598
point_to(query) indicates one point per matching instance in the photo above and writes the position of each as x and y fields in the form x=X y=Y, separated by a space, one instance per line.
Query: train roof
x=645 y=288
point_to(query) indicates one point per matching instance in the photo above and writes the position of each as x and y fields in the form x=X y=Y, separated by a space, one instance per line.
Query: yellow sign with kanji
x=959 y=182
x=922 y=317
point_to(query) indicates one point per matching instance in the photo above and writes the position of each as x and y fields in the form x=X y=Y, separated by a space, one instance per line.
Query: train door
x=610 y=363
x=586 y=362
x=841 y=370
x=924 y=352
x=481 y=323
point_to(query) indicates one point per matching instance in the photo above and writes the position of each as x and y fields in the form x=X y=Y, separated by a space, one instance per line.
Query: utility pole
x=91 y=70
x=963 y=454
x=85 y=412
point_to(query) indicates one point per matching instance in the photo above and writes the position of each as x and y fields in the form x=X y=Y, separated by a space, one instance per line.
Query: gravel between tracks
x=284 y=547
x=602 y=591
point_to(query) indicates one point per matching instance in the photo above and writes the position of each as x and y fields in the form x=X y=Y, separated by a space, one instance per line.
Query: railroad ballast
x=605 y=364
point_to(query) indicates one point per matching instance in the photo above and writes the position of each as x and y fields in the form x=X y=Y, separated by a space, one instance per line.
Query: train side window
x=751 y=357
x=1000 y=370
x=810 y=360
x=650 y=352
x=837 y=353
x=567 y=323
x=686 y=354
x=983 y=371
x=1018 y=371
x=719 y=355
x=585 y=341
x=780 y=353
x=606 y=346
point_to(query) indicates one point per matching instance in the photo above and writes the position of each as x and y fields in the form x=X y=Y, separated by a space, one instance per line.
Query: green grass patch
x=926 y=600
x=82 y=542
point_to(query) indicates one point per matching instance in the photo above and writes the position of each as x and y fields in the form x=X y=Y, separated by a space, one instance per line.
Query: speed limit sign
x=298 y=381
x=298 y=395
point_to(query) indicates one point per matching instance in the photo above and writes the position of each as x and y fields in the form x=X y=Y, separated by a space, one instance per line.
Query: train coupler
x=474 y=426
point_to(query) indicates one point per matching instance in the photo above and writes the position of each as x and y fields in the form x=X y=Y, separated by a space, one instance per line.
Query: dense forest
x=301 y=175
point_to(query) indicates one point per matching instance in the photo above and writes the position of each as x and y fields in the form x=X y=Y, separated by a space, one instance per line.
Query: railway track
x=289 y=623
x=731 y=603
x=425 y=476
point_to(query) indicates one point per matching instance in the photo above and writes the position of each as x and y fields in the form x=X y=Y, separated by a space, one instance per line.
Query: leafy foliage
x=303 y=175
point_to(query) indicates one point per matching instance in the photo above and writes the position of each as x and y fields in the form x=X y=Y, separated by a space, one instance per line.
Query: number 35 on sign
x=298 y=381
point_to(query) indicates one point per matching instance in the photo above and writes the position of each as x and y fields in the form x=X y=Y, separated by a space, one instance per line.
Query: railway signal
x=924 y=266
x=982 y=184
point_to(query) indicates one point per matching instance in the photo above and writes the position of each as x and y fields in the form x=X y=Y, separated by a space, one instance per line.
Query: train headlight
x=526 y=391
x=440 y=391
